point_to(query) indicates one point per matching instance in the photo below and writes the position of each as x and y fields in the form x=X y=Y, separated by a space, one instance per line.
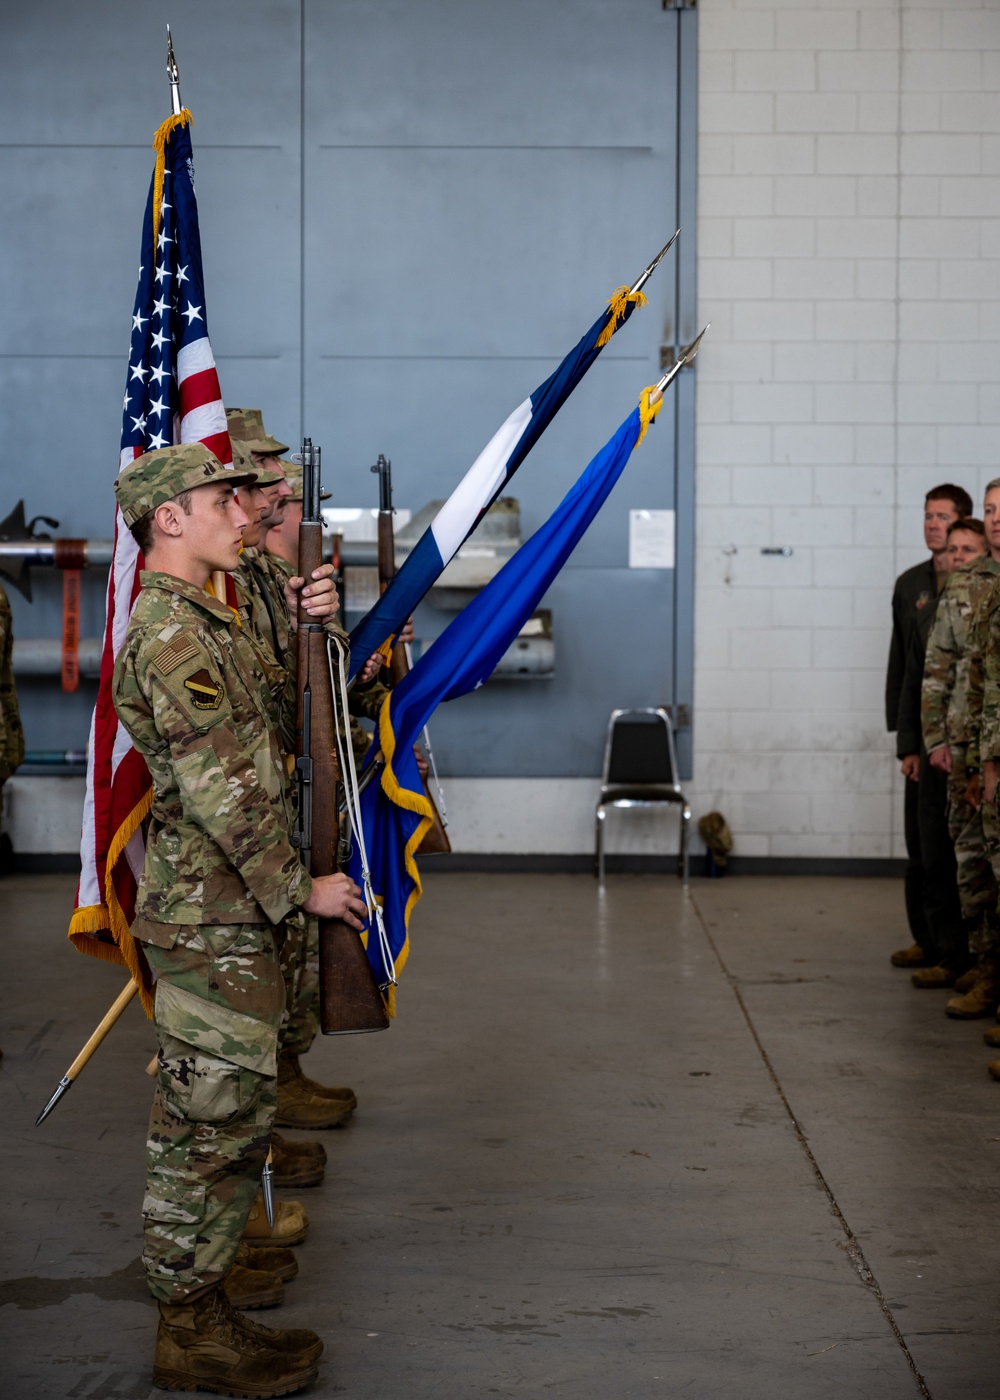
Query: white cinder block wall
x=849 y=237
x=850 y=265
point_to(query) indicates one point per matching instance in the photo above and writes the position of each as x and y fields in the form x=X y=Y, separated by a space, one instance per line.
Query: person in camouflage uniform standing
x=263 y=583
x=11 y=733
x=220 y=876
x=984 y=713
x=945 y=722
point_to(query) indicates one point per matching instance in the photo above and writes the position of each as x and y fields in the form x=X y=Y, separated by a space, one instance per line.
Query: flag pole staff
x=686 y=357
x=174 y=79
x=108 y=1020
x=128 y=992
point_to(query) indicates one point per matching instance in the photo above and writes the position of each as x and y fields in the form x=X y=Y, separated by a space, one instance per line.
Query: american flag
x=171 y=395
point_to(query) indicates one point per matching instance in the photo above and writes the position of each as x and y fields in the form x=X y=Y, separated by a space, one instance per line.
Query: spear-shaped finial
x=647 y=274
x=173 y=76
x=110 y=1017
x=686 y=357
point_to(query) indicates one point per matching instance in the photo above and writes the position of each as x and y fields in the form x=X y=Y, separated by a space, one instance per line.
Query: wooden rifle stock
x=435 y=841
x=350 y=1000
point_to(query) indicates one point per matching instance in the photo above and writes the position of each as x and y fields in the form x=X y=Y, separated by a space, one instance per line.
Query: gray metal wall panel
x=478 y=178
x=553 y=728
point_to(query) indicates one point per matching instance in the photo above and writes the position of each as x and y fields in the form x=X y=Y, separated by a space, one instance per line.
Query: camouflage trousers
x=219 y=1002
x=300 y=971
x=977 y=881
x=990 y=815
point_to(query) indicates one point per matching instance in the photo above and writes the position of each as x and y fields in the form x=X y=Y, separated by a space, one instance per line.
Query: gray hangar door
x=478 y=178
x=409 y=213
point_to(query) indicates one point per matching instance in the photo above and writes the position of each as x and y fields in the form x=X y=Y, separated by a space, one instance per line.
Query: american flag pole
x=174 y=79
x=172 y=395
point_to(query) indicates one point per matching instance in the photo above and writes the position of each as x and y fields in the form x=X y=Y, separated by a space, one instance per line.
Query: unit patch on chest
x=205 y=693
x=169 y=657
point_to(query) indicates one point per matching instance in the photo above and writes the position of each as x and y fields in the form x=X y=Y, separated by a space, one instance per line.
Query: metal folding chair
x=640 y=770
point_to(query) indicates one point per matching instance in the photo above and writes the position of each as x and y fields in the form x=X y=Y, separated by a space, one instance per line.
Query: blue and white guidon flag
x=395 y=812
x=483 y=483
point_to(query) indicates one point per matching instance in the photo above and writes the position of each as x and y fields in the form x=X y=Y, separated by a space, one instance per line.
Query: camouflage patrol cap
x=293 y=475
x=159 y=476
x=243 y=462
x=247 y=424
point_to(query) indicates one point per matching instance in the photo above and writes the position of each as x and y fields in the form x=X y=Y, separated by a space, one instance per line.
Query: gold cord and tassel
x=617 y=306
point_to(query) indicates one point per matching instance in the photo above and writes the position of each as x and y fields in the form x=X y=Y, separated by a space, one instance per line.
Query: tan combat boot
x=299 y=1107
x=246 y=1287
x=968 y=980
x=325 y=1091
x=914 y=956
x=981 y=1001
x=294 y=1169
x=933 y=978
x=290 y=1223
x=993 y=1069
x=282 y=1263
x=299 y=1340
x=302 y=1147
x=202 y=1344
x=992 y=1037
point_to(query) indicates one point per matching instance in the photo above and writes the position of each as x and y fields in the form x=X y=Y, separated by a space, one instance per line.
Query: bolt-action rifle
x=435 y=841
x=350 y=1000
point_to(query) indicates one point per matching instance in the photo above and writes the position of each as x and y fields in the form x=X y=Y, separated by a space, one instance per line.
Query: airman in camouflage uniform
x=220 y=876
x=945 y=723
x=11 y=733
x=263 y=581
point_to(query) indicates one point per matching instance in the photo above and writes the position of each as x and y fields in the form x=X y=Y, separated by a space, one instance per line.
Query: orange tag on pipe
x=71 y=630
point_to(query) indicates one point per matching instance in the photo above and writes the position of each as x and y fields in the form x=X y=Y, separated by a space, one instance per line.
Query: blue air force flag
x=395 y=811
x=483 y=483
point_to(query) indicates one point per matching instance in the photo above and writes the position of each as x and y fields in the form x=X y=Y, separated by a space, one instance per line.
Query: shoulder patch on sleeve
x=205 y=692
x=171 y=656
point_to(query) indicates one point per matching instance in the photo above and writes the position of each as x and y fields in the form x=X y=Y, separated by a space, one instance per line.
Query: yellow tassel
x=163 y=132
x=130 y=954
x=647 y=411
x=410 y=802
x=386 y=650
x=617 y=303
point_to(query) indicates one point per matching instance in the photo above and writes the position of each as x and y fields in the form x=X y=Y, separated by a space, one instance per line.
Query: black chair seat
x=646 y=792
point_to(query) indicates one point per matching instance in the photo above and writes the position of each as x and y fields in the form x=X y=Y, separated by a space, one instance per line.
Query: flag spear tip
x=648 y=272
x=684 y=357
x=689 y=351
x=173 y=76
x=64 y=1084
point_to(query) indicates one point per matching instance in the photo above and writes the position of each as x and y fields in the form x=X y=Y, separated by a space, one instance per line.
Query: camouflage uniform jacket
x=944 y=710
x=365 y=700
x=188 y=689
x=11 y=733
x=985 y=671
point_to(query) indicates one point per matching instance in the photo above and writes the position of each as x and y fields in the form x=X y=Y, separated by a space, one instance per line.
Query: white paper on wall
x=651 y=539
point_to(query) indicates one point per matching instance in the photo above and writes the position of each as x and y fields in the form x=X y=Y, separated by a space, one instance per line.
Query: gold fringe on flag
x=617 y=304
x=410 y=802
x=163 y=134
x=131 y=955
x=647 y=411
x=110 y=918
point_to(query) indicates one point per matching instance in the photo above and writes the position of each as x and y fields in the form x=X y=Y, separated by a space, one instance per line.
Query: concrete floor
x=618 y=1145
